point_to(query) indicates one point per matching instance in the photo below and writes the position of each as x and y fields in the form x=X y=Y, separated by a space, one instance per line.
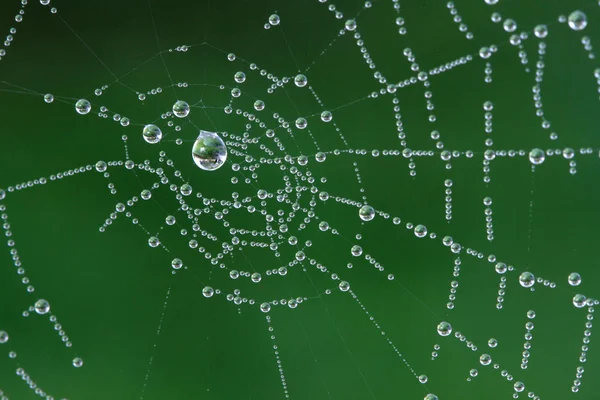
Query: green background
x=108 y=290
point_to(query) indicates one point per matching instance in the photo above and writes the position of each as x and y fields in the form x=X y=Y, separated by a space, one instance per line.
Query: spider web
x=454 y=121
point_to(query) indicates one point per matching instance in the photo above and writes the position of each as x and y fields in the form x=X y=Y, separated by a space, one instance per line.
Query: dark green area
x=108 y=290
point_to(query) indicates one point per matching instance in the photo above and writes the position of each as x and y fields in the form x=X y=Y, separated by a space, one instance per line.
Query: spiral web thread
x=298 y=190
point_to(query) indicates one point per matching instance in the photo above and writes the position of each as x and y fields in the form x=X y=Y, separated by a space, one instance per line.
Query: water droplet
x=574 y=279
x=83 y=106
x=152 y=134
x=366 y=213
x=209 y=151
x=444 y=328
x=42 y=306
x=577 y=20
x=181 y=109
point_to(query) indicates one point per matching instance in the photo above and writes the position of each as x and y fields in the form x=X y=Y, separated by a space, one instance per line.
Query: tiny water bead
x=501 y=267
x=256 y=277
x=101 y=166
x=527 y=279
x=344 y=286
x=239 y=77
x=537 y=156
x=259 y=105
x=176 y=263
x=485 y=359
x=423 y=379
x=42 y=306
x=326 y=116
x=519 y=386
x=579 y=300
x=209 y=151
x=492 y=342
x=83 y=106
x=274 y=19
x=444 y=328
x=181 y=109
x=3 y=337
x=356 y=250
x=509 y=25
x=485 y=52
x=540 y=31
x=300 y=80
x=186 y=189
x=350 y=25
x=574 y=279
x=48 y=98
x=77 y=362
x=153 y=241
x=301 y=123
x=152 y=134
x=430 y=396
x=208 y=291
x=420 y=231
x=366 y=213
x=577 y=20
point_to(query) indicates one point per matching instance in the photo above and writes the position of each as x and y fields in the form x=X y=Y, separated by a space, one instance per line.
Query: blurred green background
x=144 y=332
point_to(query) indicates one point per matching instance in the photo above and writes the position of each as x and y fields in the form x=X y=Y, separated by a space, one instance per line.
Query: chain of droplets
x=19 y=16
x=485 y=359
x=434 y=353
x=399 y=19
x=454 y=283
x=26 y=378
x=277 y=358
x=458 y=20
x=537 y=89
x=586 y=340
x=359 y=179
x=423 y=77
x=528 y=338
x=489 y=226
x=587 y=46
x=501 y=268
x=448 y=198
x=488 y=73
x=399 y=124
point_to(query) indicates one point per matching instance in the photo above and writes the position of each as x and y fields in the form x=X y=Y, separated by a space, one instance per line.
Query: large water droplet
x=209 y=151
